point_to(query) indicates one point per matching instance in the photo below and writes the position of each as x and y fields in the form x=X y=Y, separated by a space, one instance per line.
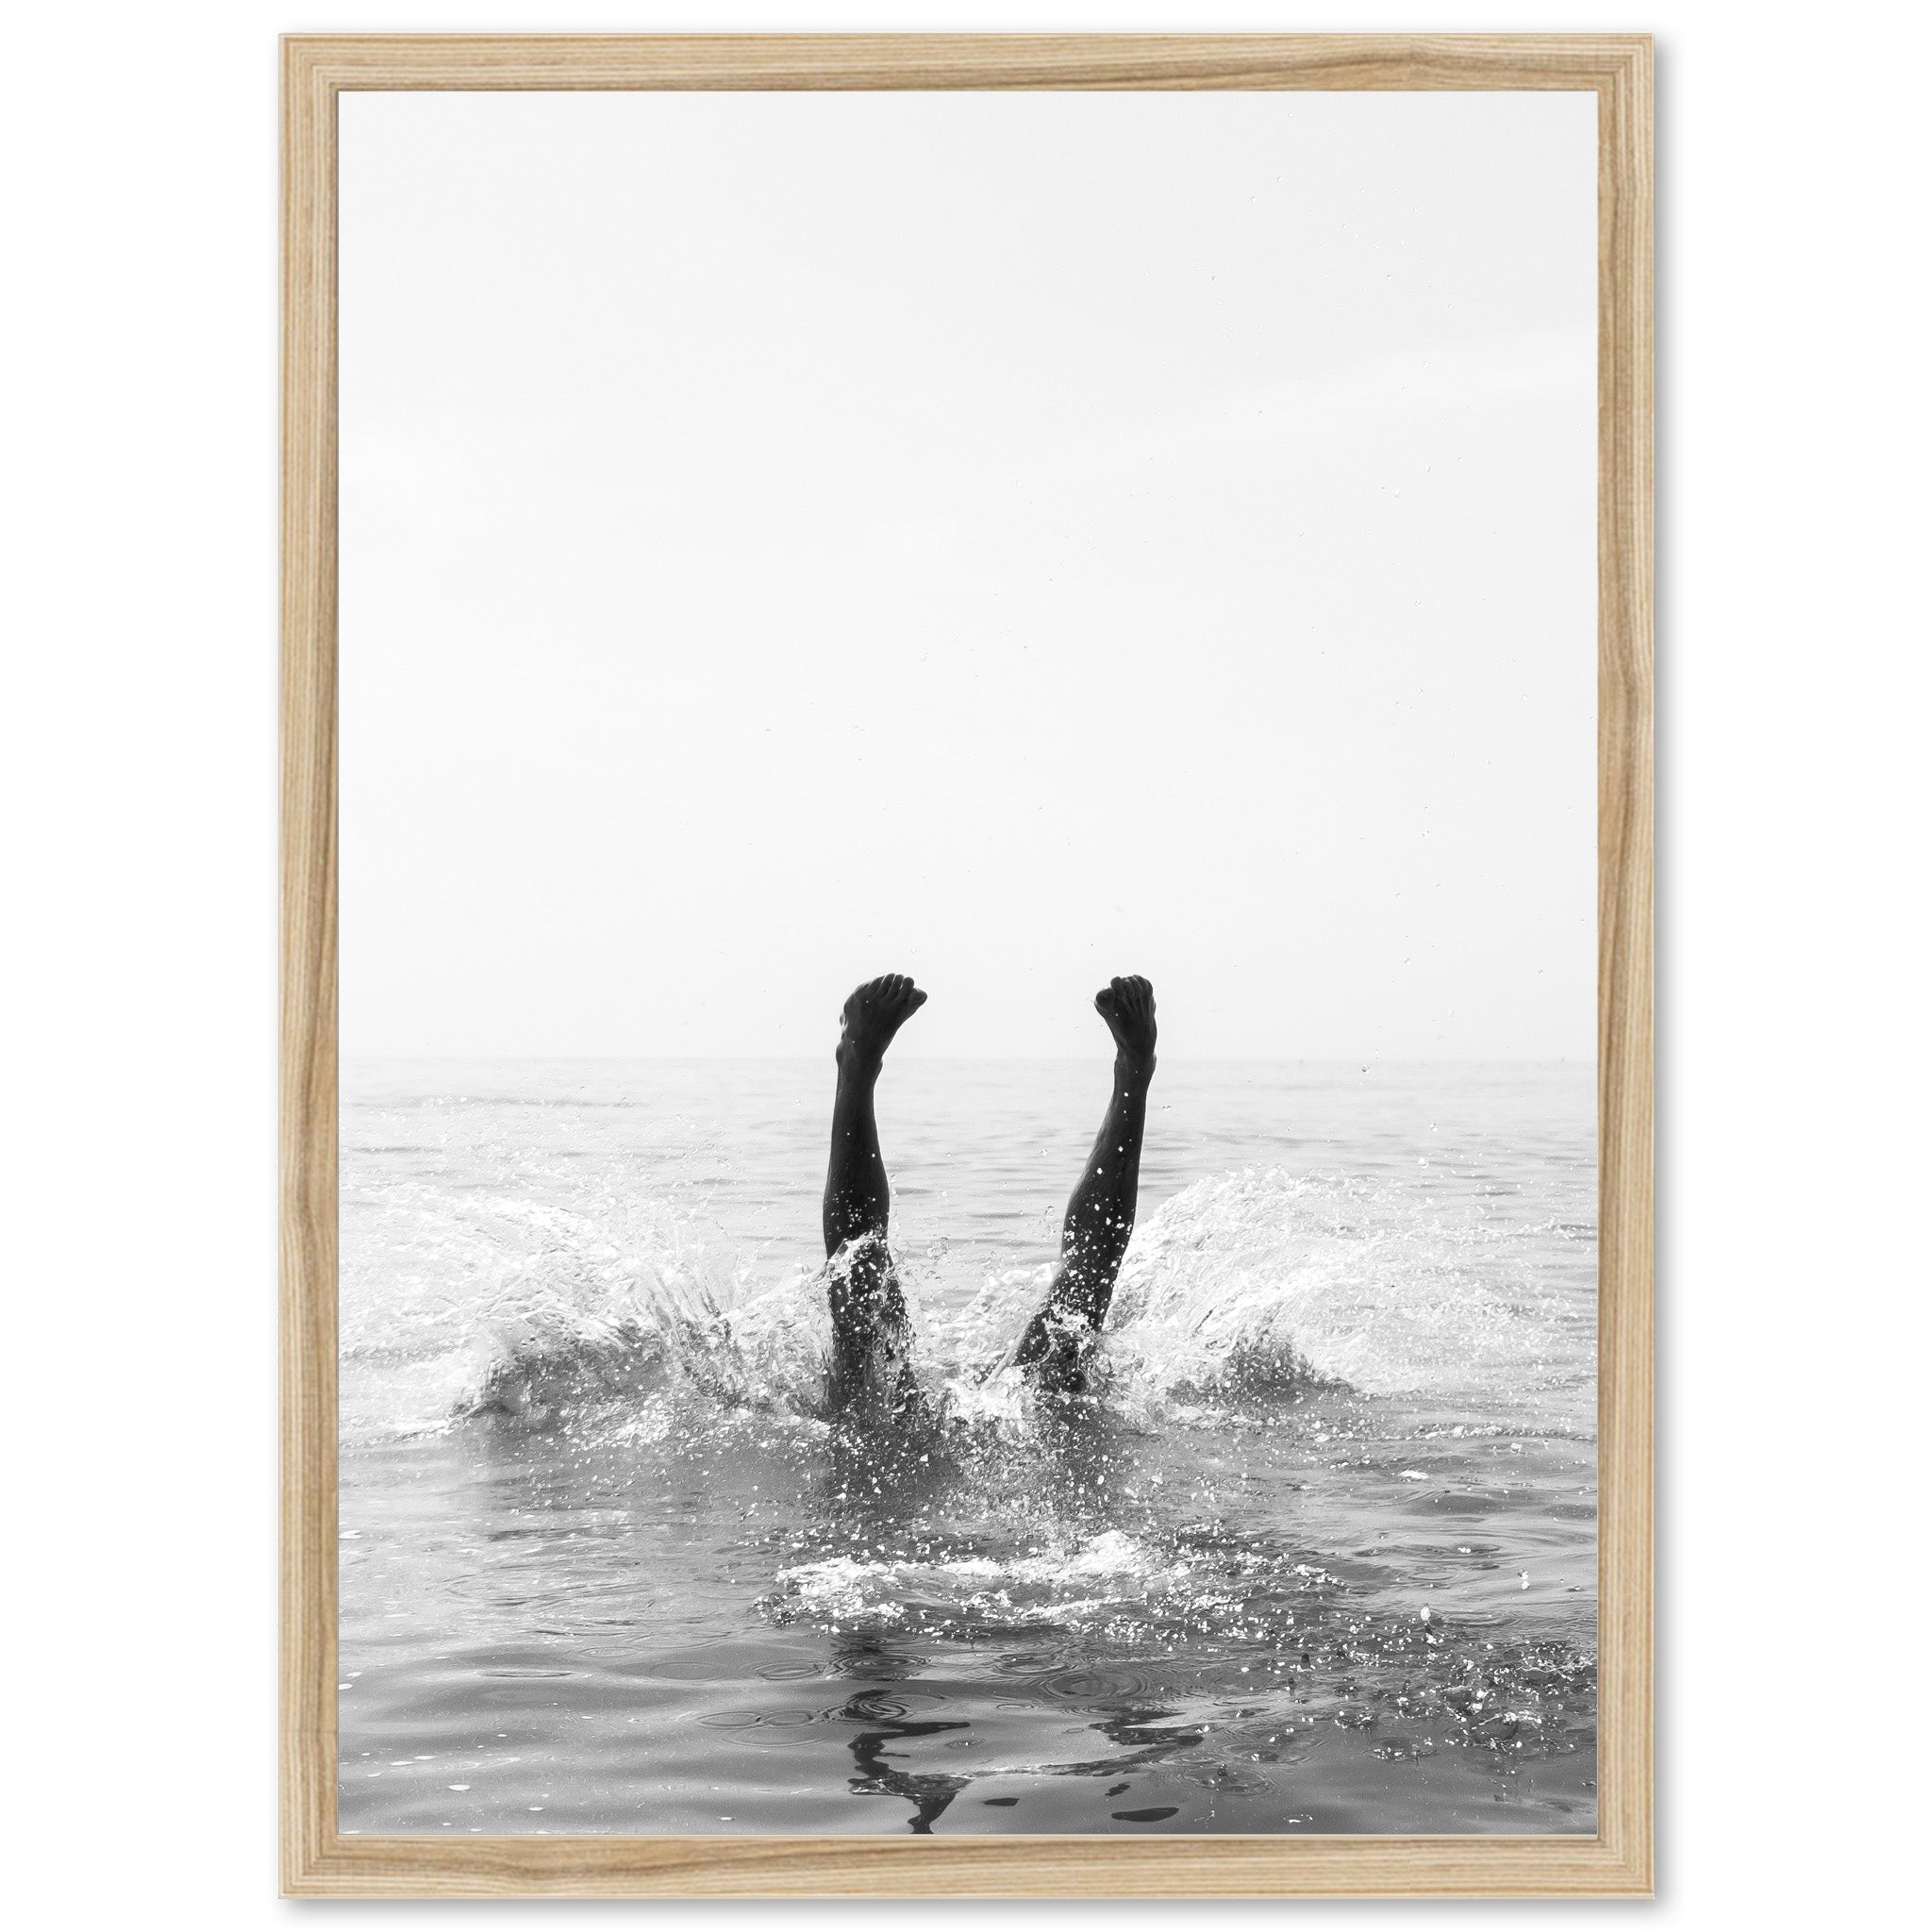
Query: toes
x=896 y=993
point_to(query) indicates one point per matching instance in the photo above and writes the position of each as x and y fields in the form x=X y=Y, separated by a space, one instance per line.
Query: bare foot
x=873 y=1015
x=1127 y=1006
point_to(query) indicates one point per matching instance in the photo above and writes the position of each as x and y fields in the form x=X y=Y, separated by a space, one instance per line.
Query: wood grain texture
x=1360 y=61
x=316 y=1860
x=1626 y=678
x=308 y=1097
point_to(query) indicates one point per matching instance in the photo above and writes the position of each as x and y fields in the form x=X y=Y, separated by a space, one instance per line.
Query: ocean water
x=1319 y=1557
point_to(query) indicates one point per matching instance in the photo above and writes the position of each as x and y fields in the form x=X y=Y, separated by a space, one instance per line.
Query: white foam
x=1244 y=1289
x=1049 y=1587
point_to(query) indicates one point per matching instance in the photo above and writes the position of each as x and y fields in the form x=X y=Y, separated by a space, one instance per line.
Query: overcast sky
x=1009 y=539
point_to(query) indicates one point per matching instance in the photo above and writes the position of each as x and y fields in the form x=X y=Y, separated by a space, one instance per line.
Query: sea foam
x=1245 y=1289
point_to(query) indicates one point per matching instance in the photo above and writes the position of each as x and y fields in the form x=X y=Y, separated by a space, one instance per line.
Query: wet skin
x=869 y=1326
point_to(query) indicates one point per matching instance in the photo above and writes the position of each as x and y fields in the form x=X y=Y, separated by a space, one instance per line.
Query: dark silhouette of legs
x=1100 y=1215
x=927 y=1791
x=868 y=1309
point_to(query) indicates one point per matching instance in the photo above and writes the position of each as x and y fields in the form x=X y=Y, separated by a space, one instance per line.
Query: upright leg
x=1100 y=1215
x=868 y=1309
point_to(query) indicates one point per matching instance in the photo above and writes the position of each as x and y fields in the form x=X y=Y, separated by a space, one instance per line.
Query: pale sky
x=1008 y=539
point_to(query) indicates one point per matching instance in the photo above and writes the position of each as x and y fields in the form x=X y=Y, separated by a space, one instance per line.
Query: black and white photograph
x=968 y=1153
x=965 y=960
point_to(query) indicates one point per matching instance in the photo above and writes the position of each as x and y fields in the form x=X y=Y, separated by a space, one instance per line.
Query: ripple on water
x=1271 y=1584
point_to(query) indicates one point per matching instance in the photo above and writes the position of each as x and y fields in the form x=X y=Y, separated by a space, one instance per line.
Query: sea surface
x=1318 y=1557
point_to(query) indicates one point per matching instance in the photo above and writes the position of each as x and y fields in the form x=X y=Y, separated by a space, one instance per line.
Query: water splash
x=1246 y=1289
x=1258 y=1281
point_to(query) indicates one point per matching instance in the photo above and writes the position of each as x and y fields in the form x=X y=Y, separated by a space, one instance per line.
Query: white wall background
x=137 y=767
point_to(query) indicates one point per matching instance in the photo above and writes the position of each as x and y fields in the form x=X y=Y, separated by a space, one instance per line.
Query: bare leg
x=1100 y=1215
x=868 y=1309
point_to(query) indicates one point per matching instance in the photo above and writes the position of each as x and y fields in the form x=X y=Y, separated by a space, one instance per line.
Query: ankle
x=858 y=1062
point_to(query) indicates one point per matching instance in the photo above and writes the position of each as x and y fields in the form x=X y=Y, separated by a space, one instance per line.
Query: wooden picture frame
x=317 y=1860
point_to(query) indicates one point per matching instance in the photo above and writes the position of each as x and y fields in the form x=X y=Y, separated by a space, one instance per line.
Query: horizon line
x=1068 y=1058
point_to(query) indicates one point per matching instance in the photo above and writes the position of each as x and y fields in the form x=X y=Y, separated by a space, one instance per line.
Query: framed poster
x=967 y=978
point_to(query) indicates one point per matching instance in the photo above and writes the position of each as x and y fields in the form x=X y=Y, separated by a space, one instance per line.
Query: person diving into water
x=869 y=1371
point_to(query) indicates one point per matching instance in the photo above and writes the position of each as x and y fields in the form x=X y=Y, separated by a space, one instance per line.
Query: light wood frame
x=316 y=1860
